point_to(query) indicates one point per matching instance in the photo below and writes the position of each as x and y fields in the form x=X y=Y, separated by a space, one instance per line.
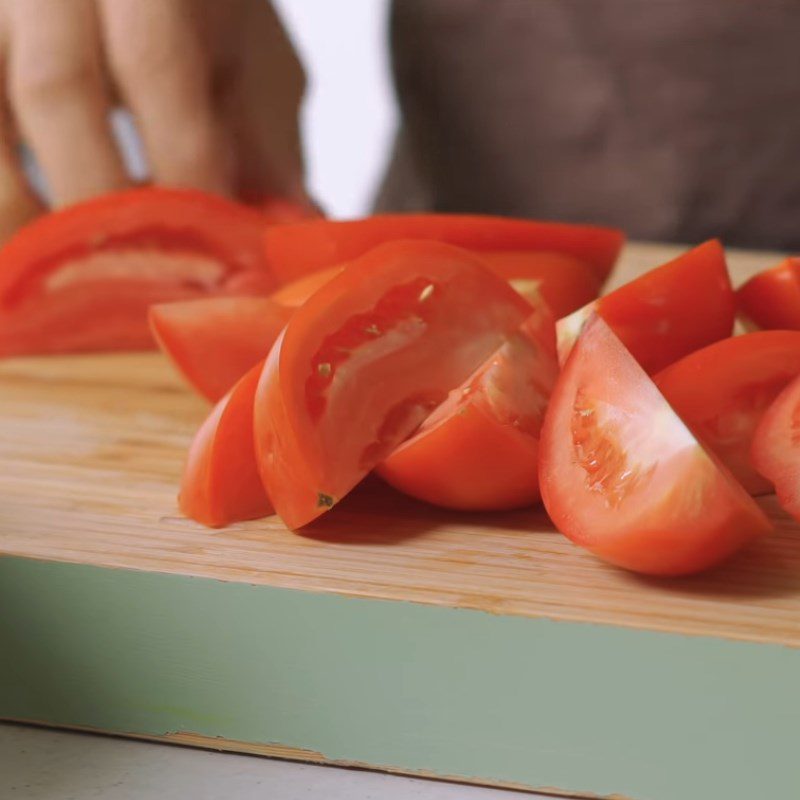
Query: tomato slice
x=722 y=391
x=282 y=211
x=666 y=313
x=221 y=482
x=365 y=360
x=771 y=299
x=623 y=476
x=296 y=293
x=776 y=447
x=565 y=282
x=307 y=247
x=83 y=278
x=479 y=449
x=213 y=342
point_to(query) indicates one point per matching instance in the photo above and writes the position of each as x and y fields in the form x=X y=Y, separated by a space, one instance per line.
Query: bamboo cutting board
x=390 y=634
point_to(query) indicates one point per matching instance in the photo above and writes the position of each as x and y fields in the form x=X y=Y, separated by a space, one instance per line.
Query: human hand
x=214 y=88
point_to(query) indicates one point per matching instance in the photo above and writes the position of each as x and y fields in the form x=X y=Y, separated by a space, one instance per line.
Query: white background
x=350 y=114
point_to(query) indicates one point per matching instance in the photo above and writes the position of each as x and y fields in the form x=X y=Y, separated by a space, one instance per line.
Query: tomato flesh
x=296 y=293
x=297 y=250
x=776 y=447
x=365 y=360
x=83 y=277
x=622 y=475
x=479 y=449
x=771 y=299
x=722 y=391
x=666 y=313
x=213 y=342
x=221 y=482
x=564 y=281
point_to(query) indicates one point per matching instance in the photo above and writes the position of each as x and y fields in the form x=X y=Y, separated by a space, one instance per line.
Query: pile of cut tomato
x=470 y=361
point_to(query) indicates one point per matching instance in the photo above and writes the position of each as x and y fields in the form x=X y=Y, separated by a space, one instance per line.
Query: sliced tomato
x=221 y=483
x=282 y=211
x=565 y=282
x=776 y=447
x=479 y=449
x=365 y=360
x=771 y=299
x=294 y=294
x=722 y=391
x=83 y=278
x=307 y=247
x=623 y=476
x=213 y=342
x=666 y=313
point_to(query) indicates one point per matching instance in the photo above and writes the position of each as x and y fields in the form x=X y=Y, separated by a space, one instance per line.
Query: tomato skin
x=565 y=282
x=776 y=447
x=83 y=277
x=771 y=299
x=221 y=482
x=394 y=332
x=296 y=293
x=282 y=211
x=666 y=313
x=311 y=246
x=722 y=391
x=479 y=450
x=213 y=342
x=622 y=476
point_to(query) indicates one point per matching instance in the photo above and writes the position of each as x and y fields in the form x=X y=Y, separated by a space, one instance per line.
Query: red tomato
x=294 y=294
x=722 y=391
x=667 y=312
x=213 y=342
x=771 y=299
x=776 y=447
x=365 y=360
x=479 y=449
x=83 y=278
x=295 y=251
x=221 y=482
x=565 y=282
x=281 y=211
x=622 y=475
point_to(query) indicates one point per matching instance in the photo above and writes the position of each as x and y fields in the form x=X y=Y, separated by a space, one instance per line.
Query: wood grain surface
x=91 y=449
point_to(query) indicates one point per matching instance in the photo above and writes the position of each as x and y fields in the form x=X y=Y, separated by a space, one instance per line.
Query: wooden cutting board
x=390 y=634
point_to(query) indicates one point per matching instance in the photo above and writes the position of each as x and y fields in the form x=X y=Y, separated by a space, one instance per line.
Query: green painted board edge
x=500 y=699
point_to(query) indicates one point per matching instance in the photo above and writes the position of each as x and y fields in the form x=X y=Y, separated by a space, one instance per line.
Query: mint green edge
x=584 y=708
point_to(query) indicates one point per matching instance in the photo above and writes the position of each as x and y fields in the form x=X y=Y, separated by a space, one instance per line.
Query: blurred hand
x=214 y=86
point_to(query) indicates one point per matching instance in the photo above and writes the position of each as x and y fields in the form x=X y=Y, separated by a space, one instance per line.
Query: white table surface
x=40 y=764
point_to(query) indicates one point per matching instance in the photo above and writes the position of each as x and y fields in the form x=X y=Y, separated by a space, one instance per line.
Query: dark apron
x=673 y=119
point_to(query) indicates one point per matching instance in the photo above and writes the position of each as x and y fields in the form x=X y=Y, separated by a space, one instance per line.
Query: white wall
x=350 y=114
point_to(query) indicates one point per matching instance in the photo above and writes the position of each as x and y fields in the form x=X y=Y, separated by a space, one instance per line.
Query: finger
x=160 y=64
x=261 y=93
x=58 y=96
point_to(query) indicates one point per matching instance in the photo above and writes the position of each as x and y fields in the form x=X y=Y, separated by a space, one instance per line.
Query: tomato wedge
x=282 y=211
x=295 y=251
x=83 y=278
x=479 y=449
x=565 y=282
x=221 y=483
x=624 y=477
x=722 y=391
x=213 y=342
x=776 y=447
x=365 y=360
x=666 y=313
x=771 y=299
x=294 y=294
